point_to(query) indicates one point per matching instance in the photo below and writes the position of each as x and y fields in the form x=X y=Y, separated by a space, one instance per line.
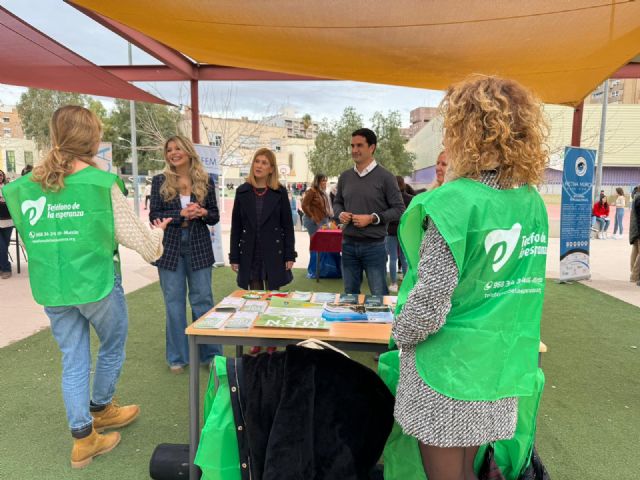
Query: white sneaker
x=393 y=288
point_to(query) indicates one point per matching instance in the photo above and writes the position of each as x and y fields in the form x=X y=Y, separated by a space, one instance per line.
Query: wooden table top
x=378 y=333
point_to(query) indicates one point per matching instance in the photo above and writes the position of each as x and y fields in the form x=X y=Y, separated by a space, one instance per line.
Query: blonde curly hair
x=492 y=123
x=75 y=134
x=197 y=173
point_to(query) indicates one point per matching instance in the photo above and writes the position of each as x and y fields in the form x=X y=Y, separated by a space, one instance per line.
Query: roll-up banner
x=210 y=159
x=575 y=215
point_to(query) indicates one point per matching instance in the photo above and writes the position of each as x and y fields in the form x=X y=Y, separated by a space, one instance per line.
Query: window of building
x=6 y=132
x=28 y=158
x=215 y=139
x=616 y=93
x=6 y=120
x=291 y=161
x=276 y=145
x=10 y=157
x=249 y=141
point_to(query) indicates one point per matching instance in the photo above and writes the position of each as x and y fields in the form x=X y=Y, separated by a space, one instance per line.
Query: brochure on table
x=299 y=310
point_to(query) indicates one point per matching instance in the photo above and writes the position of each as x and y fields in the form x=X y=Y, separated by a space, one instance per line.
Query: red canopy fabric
x=30 y=58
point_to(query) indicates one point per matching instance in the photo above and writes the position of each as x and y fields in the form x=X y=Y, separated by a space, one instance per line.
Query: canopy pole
x=195 y=112
x=603 y=129
x=576 y=131
x=134 y=150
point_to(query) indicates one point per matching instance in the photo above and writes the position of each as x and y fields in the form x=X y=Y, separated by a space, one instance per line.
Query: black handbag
x=491 y=471
x=170 y=461
x=4 y=212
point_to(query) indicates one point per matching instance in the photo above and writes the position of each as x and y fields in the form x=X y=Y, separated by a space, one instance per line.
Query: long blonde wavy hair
x=495 y=124
x=75 y=134
x=199 y=177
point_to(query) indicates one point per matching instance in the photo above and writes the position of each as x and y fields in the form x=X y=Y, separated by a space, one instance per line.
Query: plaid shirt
x=199 y=235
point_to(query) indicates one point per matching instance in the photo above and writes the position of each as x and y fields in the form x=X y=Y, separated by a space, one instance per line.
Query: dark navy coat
x=276 y=235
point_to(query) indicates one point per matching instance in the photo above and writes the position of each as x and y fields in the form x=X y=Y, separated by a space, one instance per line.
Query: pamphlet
x=212 y=320
x=324 y=297
x=241 y=320
x=316 y=311
x=304 y=296
x=291 y=321
x=348 y=298
x=230 y=304
x=255 y=306
x=373 y=300
x=291 y=303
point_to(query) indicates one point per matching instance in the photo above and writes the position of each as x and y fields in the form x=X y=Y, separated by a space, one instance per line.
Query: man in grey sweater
x=367 y=199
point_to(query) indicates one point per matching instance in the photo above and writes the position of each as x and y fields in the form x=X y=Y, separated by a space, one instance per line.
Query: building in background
x=239 y=138
x=625 y=91
x=418 y=117
x=296 y=127
x=621 y=159
x=16 y=151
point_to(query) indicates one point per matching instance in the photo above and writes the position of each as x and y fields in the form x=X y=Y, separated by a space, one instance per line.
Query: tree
x=306 y=123
x=332 y=149
x=36 y=108
x=390 y=152
x=332 y=152
x=154 y=124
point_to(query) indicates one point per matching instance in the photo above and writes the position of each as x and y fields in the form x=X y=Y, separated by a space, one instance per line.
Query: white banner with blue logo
x=210 y=159
x=575 y=215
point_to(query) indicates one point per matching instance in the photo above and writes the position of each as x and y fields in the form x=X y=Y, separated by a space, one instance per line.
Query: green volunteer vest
x=69 y=236
x=488 y=347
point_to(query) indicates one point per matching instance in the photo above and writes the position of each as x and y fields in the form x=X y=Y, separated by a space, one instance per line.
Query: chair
x=15 y=240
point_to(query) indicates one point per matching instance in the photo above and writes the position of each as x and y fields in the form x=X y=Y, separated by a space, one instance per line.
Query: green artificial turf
x=588 y=422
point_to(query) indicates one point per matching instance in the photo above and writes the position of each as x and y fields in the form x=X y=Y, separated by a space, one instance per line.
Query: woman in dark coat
x=262 y=248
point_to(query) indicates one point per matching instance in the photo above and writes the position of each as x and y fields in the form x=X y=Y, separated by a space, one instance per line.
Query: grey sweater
x=377 y=192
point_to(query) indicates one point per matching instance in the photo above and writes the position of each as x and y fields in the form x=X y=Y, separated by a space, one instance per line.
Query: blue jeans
x=70 y=328
x=5 y=236
x=603 y=223
x=394 y=252
x=618 y=220
x=174 y=290
x=370 y=257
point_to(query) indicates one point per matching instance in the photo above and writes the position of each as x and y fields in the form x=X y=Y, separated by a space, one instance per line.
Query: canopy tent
x=30 y=58
x=562 y=50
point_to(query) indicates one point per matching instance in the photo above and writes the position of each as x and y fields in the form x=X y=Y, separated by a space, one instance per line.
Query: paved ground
x=22 y=317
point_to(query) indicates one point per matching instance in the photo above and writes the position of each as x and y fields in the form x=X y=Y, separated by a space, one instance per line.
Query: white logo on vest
x=506 y=241
x=35 y=209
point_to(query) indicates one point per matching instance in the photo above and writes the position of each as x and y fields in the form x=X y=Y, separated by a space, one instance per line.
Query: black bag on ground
x=170 y=461
x=491 y=471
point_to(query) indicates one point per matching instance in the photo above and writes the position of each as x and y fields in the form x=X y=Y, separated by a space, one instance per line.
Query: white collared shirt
x=367 y=170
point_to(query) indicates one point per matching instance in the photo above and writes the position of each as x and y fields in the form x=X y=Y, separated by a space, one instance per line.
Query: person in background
x=620 y=206
x=316 y=205
x=185 y=193
x=6 y=227
x=262 y=250
x=394 y=252
x=87 y=291
x=460 y=322
x=26 y=169
x=147 y=195
x=634 y=235
x=600 y=215
x=442 y=164
x=367 y=199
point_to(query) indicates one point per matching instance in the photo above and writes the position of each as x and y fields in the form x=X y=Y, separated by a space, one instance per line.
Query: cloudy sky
x=253 y=99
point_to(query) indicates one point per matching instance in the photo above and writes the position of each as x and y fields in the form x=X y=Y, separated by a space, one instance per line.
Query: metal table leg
x=194 y=406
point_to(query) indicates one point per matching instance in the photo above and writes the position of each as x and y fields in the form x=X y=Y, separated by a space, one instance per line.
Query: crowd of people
x=493 y=158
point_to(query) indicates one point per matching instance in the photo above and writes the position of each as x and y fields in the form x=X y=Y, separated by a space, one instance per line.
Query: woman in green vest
x=469 y=323
x=72 y=216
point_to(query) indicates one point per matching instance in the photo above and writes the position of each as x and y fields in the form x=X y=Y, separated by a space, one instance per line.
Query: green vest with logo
x=488 y=346
x=69 y=236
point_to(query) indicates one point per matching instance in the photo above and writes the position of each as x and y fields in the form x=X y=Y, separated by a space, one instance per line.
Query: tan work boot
x=114 y=416
x=84 y=449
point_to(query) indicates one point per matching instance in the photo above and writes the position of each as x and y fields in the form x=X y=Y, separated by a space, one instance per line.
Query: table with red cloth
x=325 y=241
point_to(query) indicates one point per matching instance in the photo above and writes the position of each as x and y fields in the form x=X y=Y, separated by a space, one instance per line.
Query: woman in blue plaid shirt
x=185 y=193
